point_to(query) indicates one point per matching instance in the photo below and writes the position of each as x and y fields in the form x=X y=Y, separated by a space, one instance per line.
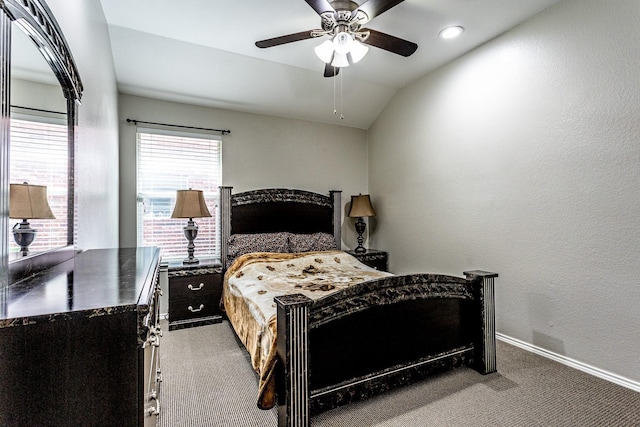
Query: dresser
x=79 y=343
x=194 y=294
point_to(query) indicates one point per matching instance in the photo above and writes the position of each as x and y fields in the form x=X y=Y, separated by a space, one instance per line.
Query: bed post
x=486 y=352
x=292 y=346
x=336 y=199
x=225 y=223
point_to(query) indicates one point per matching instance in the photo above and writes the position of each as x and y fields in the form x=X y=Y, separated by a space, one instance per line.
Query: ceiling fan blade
x=374 y=8
x=320 y=6
x=289 y=38
x=390 y=43
x=330 y=70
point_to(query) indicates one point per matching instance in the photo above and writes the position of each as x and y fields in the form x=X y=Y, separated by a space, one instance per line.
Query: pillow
x=240 y=244
x=311 y=242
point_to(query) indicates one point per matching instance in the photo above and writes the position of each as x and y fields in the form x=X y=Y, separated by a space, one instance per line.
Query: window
x=170 y=161
x=39 y=152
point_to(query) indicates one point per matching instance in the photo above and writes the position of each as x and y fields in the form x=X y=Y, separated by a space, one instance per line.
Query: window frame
x=59 y=120
x=207 y=244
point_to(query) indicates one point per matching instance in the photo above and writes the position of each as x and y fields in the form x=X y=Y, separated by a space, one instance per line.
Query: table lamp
x=190 y=204
x=27 y=202
x=361 y=207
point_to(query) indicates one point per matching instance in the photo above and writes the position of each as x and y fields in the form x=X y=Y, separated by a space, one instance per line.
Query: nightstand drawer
x=373 y=258
x=190 y=286
x=377 y=263
x=192 y=308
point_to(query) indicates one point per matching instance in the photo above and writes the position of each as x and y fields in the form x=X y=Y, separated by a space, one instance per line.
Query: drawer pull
x=152 y=340
x=154 y=410
x=196 y=289
x=195 y=310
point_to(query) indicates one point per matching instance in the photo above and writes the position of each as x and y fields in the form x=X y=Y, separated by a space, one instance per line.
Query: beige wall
x=523 y=158
x=43 y=96
x=85 y=29
x=261 y=152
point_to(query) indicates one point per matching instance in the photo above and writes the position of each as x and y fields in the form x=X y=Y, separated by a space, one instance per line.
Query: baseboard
x=592 y=370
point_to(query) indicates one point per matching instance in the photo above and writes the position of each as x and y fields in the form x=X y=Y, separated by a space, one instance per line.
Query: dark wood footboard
x=380 y=335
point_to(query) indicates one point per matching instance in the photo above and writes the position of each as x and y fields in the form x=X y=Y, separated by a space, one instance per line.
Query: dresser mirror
x=39 y=84
x=39 y=144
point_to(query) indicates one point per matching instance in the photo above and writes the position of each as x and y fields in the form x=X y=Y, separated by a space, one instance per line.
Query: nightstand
x=373 y=258
x=194 y=294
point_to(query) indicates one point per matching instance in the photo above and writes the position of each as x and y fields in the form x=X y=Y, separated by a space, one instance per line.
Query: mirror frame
x=37 y=21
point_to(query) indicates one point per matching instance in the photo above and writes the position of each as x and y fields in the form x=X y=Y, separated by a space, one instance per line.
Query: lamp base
x=190 y=232
x=24 y=236
x=360 y=227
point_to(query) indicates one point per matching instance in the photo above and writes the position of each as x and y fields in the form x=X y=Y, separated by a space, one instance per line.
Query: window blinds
x=40 y=155
x=169 y=161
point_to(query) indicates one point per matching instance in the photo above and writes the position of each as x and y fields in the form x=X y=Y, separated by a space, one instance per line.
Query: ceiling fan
x=342 y=20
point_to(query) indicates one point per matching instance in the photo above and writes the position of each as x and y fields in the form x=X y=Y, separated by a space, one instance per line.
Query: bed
x=324 y=330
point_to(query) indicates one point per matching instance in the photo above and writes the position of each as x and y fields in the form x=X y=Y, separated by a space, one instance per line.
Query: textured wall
x=261 y=152
x=523 y=158
x=37 y=95
x=85 y=29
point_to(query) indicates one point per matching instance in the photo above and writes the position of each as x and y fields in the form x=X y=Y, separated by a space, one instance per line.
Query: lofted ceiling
x=203 y=52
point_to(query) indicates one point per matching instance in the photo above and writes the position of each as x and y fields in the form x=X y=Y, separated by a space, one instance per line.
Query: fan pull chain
x=341 y=103
x=335 y=111
x=334 y=92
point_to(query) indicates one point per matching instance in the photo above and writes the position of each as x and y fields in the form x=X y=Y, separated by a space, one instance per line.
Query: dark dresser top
x=95 y=282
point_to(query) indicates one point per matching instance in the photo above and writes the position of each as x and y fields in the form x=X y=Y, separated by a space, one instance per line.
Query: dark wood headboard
x=272 y=210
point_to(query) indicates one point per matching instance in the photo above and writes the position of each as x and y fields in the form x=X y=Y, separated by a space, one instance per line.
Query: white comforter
x=254 y=280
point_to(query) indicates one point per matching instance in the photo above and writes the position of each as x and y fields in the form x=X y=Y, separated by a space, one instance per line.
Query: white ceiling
x=202 y=52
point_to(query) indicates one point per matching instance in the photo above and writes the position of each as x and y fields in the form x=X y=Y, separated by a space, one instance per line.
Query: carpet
x=208 y=381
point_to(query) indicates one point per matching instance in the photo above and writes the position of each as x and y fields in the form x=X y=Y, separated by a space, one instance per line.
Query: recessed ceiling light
x=451 y=32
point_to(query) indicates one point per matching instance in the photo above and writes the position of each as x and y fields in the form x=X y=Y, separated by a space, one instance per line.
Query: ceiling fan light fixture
x=340 y=60
x=325 y=51
x=342 y=43
x=358 y=51
x=451 y=32
x=342 y=21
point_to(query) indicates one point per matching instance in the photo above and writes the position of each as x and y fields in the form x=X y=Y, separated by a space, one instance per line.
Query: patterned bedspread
x=255 y=279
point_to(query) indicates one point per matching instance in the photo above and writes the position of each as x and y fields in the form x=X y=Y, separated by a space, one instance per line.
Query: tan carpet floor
x=208 y=381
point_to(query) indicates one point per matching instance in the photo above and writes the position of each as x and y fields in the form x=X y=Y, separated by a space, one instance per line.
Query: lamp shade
x=358 y=51
x=338 y=50
x=190 y=204
x=325 y=51
x=361 y=206
x=29 y=202
x=342 y=43
x=340 y=60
